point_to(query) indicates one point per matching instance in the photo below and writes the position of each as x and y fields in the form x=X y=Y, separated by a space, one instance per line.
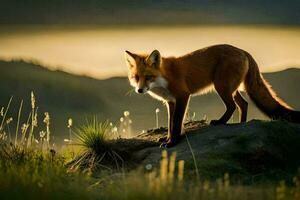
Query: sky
x=99 y=51
x=89 y=37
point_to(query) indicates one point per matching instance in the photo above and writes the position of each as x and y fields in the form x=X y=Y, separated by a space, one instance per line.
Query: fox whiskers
x=129 y=92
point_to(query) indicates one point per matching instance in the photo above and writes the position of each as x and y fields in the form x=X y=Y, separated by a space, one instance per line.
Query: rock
x=256 y=148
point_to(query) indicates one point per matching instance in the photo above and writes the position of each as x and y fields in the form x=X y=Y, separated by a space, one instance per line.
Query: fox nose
x=140 y=90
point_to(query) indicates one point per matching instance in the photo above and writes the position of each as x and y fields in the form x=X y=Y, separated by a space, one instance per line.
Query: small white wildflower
x=126 y=113
x=115 y=129
x=157 y=110
x=121 y=119
x=66 y=140
x=70 y=122
x=110 y=124
x=36 y=141
x=148 y=167
x=9 y=120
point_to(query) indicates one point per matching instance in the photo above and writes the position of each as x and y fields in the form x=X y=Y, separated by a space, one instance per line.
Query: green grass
x=95 y=172
x=32 y=174
x=98 y=150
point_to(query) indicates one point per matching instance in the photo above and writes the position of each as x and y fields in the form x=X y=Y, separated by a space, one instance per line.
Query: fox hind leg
x=230 y=108
x=243 y=106
x=228 y=77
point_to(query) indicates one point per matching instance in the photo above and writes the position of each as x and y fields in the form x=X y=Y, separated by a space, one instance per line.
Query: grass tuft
x=98 y=150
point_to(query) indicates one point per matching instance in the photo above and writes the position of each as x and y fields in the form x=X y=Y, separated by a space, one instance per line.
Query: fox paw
x=216 y=122
x=167 y=144
x=163 y=139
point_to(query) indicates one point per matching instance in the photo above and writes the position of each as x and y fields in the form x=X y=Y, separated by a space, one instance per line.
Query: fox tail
x=264 y=96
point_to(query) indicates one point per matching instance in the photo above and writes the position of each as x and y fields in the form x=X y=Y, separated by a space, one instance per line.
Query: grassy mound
x=252 y=152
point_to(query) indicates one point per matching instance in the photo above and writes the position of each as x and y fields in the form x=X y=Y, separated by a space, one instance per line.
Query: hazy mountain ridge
x=65 y=95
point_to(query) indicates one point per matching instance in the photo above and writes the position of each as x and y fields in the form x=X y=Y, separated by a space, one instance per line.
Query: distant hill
x=65 y=95
x=143 y=12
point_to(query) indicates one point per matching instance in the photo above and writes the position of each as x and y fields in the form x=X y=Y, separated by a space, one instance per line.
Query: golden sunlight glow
x=99 y=52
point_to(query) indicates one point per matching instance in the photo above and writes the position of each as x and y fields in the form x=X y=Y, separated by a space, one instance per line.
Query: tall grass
x=31 y=172
x=26 y=134
x=18 y=122
x=193 y=156
x=168 y=182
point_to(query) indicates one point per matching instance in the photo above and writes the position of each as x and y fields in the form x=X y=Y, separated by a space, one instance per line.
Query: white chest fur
x=159 y=90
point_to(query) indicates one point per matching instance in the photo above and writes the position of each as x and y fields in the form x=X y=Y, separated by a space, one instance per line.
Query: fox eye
x=136 y=77
x=148 y=78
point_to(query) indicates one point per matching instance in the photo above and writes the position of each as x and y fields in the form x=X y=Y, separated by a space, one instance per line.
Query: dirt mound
x=256 y=149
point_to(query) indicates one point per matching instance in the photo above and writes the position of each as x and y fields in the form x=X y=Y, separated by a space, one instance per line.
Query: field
x=71 y=126
x=94 y=163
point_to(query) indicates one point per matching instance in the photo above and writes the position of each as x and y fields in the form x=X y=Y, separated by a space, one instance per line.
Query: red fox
x=222 y=67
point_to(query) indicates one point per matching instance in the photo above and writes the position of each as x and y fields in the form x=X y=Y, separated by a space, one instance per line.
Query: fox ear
x=154 y=59
x=130 y=59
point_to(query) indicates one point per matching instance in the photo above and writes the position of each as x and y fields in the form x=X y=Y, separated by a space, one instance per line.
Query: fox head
x=144 y=70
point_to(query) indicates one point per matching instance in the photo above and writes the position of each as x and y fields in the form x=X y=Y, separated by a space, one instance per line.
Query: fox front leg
x=176 y=111
x=171 y=109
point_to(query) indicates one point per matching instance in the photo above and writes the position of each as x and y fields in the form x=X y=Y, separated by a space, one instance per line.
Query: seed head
x=47 y=119
x=35 y=121
x=70 y=122
x=2 y=112
x=42 y=134
x=24 y=128
x=32 y=100
x=9 y=120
